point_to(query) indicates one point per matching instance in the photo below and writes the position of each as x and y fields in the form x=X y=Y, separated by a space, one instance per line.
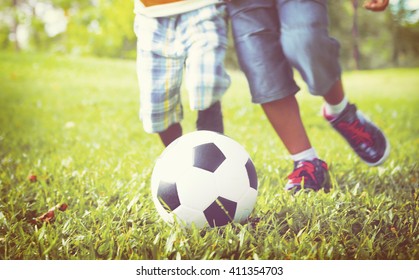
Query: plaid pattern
x=195 y=42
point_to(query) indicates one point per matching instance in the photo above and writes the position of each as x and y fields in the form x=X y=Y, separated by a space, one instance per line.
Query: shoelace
x=304 y=169
x=356 y=132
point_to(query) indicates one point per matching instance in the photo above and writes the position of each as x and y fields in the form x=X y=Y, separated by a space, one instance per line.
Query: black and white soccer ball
x=206 y=179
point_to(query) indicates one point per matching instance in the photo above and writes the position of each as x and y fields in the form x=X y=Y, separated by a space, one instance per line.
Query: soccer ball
x=206 y=179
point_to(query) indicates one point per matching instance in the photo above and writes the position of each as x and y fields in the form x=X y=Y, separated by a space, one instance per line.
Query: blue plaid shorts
x=193 y=43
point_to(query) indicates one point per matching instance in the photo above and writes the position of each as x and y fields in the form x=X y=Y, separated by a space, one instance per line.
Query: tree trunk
x=15 y=24
x=355 y=36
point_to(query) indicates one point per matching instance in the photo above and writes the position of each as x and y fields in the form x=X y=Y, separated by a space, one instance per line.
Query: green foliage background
x=105 y=28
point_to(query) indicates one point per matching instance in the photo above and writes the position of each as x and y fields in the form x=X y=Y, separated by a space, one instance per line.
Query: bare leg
x=211 y=119
x=335 y=95
x=285 y=118
x=172 y=133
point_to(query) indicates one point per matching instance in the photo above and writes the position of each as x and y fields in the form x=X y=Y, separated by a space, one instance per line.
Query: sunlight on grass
x=73 y=122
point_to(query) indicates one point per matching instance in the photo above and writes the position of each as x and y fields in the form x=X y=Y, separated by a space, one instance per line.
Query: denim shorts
x=193 y=43
x=274 y=36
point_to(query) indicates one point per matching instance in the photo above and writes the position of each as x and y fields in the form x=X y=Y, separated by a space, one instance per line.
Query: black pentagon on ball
x=251 y=173
x=208 y=157
x=220 y=212
x=168 y=196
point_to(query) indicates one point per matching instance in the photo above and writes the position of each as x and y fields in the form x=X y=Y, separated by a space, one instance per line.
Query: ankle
x=331 y=111
x=306 y=155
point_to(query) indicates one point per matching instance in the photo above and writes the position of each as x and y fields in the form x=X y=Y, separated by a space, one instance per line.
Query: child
x=174 y=36
x=271 y=38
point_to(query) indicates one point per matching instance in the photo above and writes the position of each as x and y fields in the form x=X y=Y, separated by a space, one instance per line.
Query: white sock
x=309 y=154
x=335 y=110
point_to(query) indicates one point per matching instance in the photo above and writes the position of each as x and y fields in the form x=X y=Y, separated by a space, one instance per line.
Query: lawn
x=70 y=134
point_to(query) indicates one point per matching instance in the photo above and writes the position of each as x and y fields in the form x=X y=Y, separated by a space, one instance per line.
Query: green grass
x=74 y=123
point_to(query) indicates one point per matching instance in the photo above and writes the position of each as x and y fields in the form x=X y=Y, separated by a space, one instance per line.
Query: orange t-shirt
x=164 y=8
x=148 y=3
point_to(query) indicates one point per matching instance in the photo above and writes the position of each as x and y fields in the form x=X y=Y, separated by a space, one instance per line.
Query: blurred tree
x=340 y=23
x=116 y=36
x=355 y=34
x=102 y=27
x=9 y=25
x=15 y=23
x=374 y=39
x=405 y=34
x=105 y=28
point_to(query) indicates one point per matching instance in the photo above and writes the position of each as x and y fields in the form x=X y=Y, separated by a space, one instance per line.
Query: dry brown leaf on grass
x=49 y=216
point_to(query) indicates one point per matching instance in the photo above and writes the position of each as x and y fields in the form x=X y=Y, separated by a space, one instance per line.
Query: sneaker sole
x=383 y=158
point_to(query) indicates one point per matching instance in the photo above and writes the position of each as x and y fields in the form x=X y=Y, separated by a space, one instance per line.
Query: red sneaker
x=365 y=138
x=313 y=174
